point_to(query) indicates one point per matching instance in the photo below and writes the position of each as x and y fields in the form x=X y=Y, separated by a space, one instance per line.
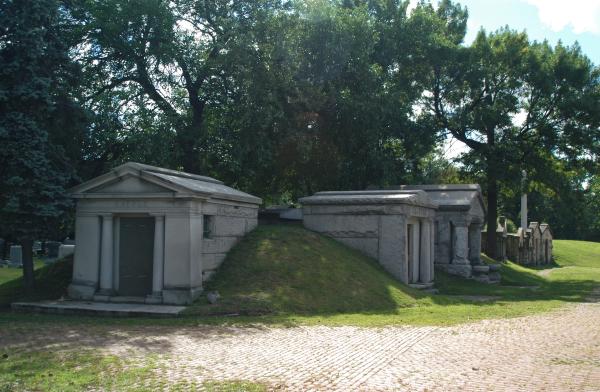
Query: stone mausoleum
x=459 y=220
x=394 y=227
x=408 y=228
x=153 y=235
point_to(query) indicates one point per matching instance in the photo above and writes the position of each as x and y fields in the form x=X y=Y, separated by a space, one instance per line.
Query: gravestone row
x=54 y=250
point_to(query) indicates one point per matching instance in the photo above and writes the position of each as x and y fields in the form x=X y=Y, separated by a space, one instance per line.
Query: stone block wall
x=229 y=224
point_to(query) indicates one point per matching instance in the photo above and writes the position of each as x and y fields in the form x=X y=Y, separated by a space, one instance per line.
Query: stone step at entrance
x=98 y=308
x=421 y=286
x=486 y=273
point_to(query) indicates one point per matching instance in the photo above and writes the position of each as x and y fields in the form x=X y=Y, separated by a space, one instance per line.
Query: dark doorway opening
x=136 y=250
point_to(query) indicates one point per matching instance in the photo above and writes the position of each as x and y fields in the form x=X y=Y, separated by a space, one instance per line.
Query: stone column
x=416 y=242
x=159 y=256
x=475 y=243
x=432 y=250
x=460 y=260
x=425 y=262
x=106 y=256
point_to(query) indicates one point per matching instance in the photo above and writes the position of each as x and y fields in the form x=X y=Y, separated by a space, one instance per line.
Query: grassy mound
x=51 y=283
x=286 y=275
x=285 y=268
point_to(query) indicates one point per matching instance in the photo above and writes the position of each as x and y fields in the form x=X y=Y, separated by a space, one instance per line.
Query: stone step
x=494 y=267
x=98 y=308
x=421 y=286
x=494 y=277
x=483 y=278
x=480 y=269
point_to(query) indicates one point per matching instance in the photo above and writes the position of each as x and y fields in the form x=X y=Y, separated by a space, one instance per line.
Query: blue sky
x=567 y=20
x=554 y=20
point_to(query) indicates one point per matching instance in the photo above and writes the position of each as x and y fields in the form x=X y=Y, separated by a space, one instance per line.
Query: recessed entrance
x=136 y=248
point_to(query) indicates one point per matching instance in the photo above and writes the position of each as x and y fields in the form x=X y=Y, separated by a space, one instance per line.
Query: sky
x=569 y=21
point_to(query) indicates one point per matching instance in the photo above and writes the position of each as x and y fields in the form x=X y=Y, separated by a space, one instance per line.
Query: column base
x=154 y=298
x=181 y=296
x=463 y=270
x=104 y=295
x=81 y=291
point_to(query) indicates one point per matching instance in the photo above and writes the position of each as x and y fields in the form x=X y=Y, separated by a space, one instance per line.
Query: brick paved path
x=556 y=351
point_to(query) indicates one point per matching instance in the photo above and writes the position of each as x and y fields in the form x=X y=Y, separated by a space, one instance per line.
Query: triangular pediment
x=129 y=185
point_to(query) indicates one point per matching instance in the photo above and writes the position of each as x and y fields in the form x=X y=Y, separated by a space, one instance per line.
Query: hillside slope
x=285 y=268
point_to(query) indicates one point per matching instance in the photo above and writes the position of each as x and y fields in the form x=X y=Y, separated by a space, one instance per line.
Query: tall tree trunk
x=492 y=211
x=190 y=159
x=28 y=280
x=190 y=140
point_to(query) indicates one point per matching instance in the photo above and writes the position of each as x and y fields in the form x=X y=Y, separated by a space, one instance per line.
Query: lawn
x=8 y=274
x=300 y=277
x=284 y=275
x=69 y=371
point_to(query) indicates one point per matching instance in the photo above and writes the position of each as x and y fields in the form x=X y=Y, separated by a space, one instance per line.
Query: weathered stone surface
x=346 y=226
x=65 y=250
x=16 y=255
x=183 y=252
x=375 y=222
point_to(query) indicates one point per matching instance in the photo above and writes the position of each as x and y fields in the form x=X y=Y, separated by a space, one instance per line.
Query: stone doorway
x=136 y=252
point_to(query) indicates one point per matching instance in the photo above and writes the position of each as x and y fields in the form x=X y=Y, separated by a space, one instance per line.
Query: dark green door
x=136 y=248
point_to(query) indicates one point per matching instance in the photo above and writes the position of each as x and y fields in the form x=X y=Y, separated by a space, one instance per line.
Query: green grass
x=285 y=275
x=51 y=282
x=577 y=253
x=70 y=371
x=8 y=274
x=65 y=371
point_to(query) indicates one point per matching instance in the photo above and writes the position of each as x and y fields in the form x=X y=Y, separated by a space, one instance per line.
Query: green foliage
x=283 y=99
x=35 y=70
x=518 y=105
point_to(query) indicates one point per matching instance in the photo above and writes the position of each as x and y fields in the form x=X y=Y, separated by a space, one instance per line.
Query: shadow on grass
x=51 y=282
x=279 y=272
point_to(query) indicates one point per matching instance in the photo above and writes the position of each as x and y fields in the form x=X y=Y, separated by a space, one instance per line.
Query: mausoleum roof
x=418 y=198
x=179 y=184
x=451 y=196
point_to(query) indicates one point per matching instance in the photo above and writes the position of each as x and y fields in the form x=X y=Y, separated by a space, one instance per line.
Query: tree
x=34 y=73
x=173 y=59
x=516 y=105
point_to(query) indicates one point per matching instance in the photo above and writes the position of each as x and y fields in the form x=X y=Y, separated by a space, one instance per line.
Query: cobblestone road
x=556 y=351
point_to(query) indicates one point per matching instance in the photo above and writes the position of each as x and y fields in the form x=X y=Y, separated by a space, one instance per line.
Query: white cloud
x=581 y=15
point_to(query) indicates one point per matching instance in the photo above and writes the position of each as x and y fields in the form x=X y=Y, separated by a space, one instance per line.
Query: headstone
x=16 y=255
x=37 y=246
x=52 y=247
x=65 y=250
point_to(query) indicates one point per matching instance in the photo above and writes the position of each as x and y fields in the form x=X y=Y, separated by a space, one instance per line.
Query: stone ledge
x=98 y=308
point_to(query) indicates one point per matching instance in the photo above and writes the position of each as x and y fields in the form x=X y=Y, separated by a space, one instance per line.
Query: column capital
x=106 y=215
x=157 y=215
x=460 y=222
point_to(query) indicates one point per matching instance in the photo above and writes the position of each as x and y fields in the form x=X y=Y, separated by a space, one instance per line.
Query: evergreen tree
x=35 y=70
